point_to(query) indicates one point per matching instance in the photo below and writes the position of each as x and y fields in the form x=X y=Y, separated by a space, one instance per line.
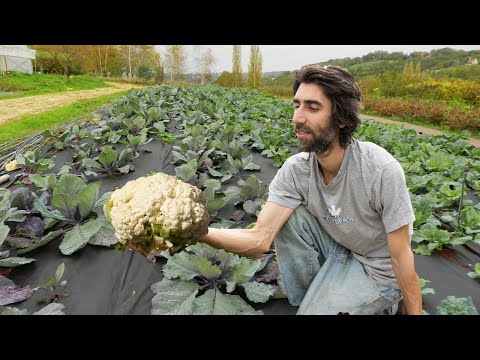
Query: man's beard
x=319 y=144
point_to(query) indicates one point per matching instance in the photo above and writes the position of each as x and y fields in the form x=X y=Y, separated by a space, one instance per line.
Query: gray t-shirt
x=366 y=200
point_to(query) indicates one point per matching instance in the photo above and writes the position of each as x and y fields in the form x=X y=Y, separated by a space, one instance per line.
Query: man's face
x=312 y=118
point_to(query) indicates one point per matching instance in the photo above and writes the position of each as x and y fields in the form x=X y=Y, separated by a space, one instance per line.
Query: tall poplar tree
x=255 y=66
x=237 y=64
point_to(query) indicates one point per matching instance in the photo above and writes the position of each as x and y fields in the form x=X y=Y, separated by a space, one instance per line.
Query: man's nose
x=298 y=117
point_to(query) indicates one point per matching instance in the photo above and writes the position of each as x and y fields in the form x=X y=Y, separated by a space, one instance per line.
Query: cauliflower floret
x=157 y=212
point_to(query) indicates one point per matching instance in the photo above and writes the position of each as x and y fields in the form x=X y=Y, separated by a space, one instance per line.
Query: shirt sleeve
x=392 y=200
x=282 y=189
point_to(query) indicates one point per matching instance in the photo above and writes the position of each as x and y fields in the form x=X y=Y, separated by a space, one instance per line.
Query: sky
x=292 y=57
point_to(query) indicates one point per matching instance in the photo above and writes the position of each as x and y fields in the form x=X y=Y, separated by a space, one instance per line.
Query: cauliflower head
x=157 y=212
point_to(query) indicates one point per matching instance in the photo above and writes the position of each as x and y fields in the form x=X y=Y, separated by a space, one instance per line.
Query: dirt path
x=420 y=129
x=13 y=108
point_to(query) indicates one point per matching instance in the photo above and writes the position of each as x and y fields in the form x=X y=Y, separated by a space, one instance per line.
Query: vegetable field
x=59 y=254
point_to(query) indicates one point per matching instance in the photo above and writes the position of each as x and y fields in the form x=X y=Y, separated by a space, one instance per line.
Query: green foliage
x=213 y=275
x=476 y=273
x=237 y=65
x=278 y=90
x=15 y=261
x=74 y=198
x=159 y=74
x=37 y=84
x=222 y=123
x=255 y=67
x=7 y=211
x=31 y=162
x=457 y=306
x=145 y=72
x=73 y=202
x=282 y=80
x=225 y=79
x=431 y=112
x=54 y=288
x=471 y=72
x=435 y=169
x=447 y=90
x=376 y=63
x=50 y=309
x=425 y=290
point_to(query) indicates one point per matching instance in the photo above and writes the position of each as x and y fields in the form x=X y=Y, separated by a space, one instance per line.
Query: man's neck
x=331 y=162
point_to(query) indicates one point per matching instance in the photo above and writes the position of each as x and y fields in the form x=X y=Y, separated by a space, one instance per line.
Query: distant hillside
x=283 y=79
x=433 y=62
x=446 y=62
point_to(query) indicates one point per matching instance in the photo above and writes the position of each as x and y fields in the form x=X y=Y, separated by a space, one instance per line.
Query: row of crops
x=215 y=138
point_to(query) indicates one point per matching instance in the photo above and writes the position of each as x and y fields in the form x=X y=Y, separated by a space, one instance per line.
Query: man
x=338 y=211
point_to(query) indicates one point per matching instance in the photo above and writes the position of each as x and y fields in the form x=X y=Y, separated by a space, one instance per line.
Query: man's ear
x=341 y=125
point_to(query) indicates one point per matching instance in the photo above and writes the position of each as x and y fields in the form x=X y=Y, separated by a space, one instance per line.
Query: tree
x=204 y=60
x=225 y=79
x=175 y=58
x=408 y=69
x=397 y=56
x=376 y=55
x=418 y=54
x=255 y=67
x=85 y=57
x=97 y=59
x=237 y=64
x=128 y=56
x=148 y=59
x=417 y=69
x=135 y=55
x=102 y=57
x=56 y=58
x=145 y=72
x=159 y=74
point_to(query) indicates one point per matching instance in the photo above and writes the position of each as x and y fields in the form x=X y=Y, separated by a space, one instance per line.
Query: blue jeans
x=322 y=277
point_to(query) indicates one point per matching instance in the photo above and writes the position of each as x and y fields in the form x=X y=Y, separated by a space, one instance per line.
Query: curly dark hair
x=341 y=89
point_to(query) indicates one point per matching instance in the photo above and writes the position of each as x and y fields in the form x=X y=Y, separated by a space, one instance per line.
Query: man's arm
x=251 y=242
x=403 y=266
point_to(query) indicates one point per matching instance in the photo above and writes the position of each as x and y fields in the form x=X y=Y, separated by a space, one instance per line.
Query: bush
x=159 y=74
x=430 y=111
x=145 y=72
x=225 y=79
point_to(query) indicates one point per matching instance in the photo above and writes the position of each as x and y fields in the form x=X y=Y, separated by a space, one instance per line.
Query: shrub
x=145 y=72
x=430 y=111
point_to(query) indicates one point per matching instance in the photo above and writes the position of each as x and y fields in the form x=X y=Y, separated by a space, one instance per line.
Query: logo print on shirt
x=334 y=211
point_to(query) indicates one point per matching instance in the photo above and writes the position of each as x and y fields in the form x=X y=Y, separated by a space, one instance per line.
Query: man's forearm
x=409 y=284
x=241 y=241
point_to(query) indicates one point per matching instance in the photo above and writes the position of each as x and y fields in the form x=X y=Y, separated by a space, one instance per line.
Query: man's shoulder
x=300 y=159
x=372 y=154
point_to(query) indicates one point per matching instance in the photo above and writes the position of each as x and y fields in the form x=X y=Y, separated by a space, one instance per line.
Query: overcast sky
x=292 y=57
